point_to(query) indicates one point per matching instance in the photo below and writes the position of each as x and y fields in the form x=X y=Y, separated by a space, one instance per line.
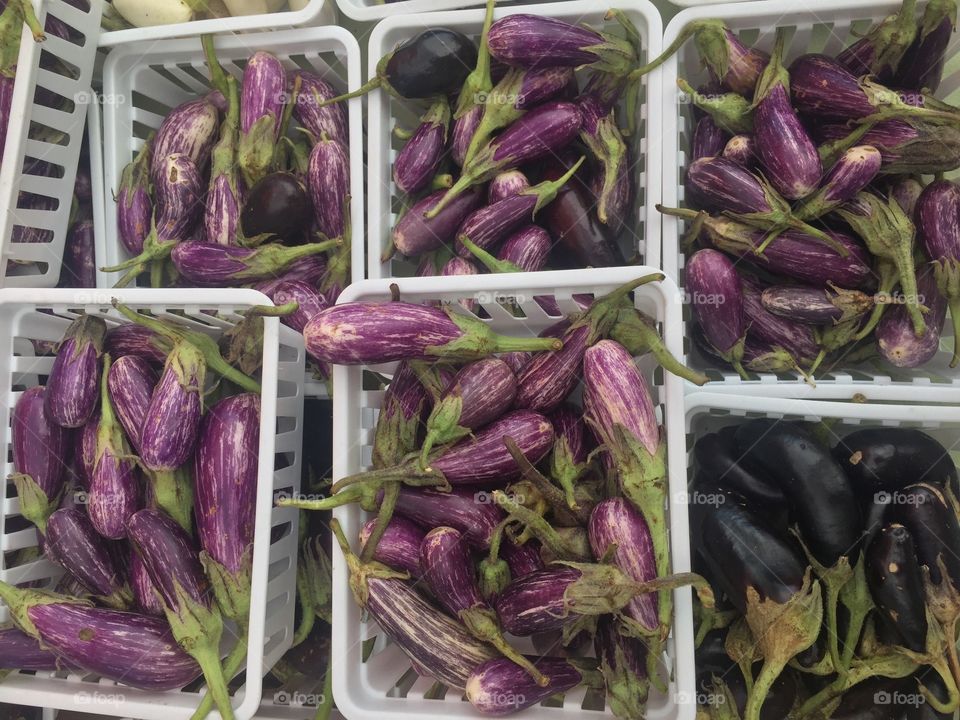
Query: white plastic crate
x=141 y=85
x=315 y=12
x=384 y=686
x=99 y=200
x=27 y=315
x=40 y=133
x=372 y=10
x=386 y=112
x=829 y=27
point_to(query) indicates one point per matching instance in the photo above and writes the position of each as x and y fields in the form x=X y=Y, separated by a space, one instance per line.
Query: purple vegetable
x=417 y=163
x=86 y=451
x=516 y=360
x=71 y=395
x=906 y=191
x=714 y=290
x=19 y=651
x=402 y=413
x=796 y=338
x=368 y=333
x=879 y=51
x=143 y=589
x=938 y=231
x=208 y=265
x=721 y=183
x=133 y=339
x=261 y=110
x=131 y=381
x=39 y=449
x=526 y=250
x=308 y=300
x=897 y=340
x=464 y=128
x=79 y=265
x=568 y=460
x=399 y=548
x=908 y=145
x=610 y=183
x=823 y=88
x=623 y=662
x=134 y=205
x=329 y=119
x=506 y=184
x=225 y=197
x=328 y=179
x=472 y=513
x=819 y=306
x=742 y=149
x=190 y=130
x=310 y=269
x=522 y=559
x=922 y=65
x=415 y=234
x=501 y=687
x=73 y=542
x=852 y=173
x=708 y=139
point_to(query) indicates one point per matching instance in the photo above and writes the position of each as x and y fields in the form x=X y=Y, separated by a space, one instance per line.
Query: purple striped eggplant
x=816 y=305
x=79 y=268
x=148 y=601
x=796 y=338
x=506 y=184
x=130 y=382
x=532 y=41
x=226 y=471
x=488 y=226
x=449 y=572
x=19 y=651
x=623 y=663
x=896 y=335
x=132 y=649
x=370 y=332
x=329 y=119
x=74 y=381
x=542 y=131
x=309 y=302
x=190 y=130
x=611 y=183
x=73 y=542
x=86 y=451
x=907 y=145
x=174 y=567
x=500 y=687
x=742 y=149
x=115 y=492
x=856 y=169
x=224 y=196
x=906 y=191
x=516 y=360
x=262 y=102
x=134 y=204
x=399 y=548
x=880 y=51
x=462 y=132
x=709 y=139
x=473 y=514
x=404 y=407
x=415 y=234
x=522 y=559
x=133 y=339
x=328 y=180
x=40 y=447
x=821 y=87
x=714 y=290
x=922 y=65
x=525 y=250
x=438 y=645
x=310 y=269
x=480 y=393
x=938 y=226
x=209 y=265
x=417 y=162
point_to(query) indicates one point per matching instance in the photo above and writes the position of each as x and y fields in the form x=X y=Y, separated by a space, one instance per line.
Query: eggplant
x=895 y=582
x=611 y=182
x=742 y=149
x=328 y=179
x=224 y=197
x=262 y=100
x=148 y=601
x=473 y=514
x=911 y=145
x=719 y=462
x=39 y=448
x=309 y=302
x=79 y=268
x=402 y=412
x=86 y=451
x=208 y=265
x=19 y=651
x=130 y=383
x=516 y=360
x=929 y=518
x=72 y=542
x=190 y=130
x=506 y=184
x=921 y=66
x=522 y=560
x=311 y=270
x=417 y=162
x=500 y=686
x=709 y=140
x=880 y=51
x=71 y=395
x=938 y=230
x=464 y=128
x=134 y=205
x=415 y=234
x=714 y=290
x=906 y=191
x=623 y=662
x=278 y=206
x=315 y=117
x=133 y=339
x=526 y=250
x=399 y=548
x=385 y=332
x=818 y=306
x=896 y=336
x=856 y=169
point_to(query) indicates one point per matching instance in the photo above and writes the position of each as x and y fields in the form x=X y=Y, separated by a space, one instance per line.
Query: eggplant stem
x=541 y=529
x=218 y=78
x=688 y=32
x=761 y=687
x=232 y=664
x=325 y=709
x=553 y=495
x=209 y=662
x=683 y=213
x=954 y=305
x=391 y=492
x=367 y=87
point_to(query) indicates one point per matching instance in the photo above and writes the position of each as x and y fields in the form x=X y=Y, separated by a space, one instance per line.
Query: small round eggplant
x=277 y=205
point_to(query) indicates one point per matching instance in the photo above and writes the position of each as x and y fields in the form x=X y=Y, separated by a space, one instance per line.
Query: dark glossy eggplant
x=722 y=466
x=896 y=584
x=932 y=523
x=415 y=234
x=278 y=206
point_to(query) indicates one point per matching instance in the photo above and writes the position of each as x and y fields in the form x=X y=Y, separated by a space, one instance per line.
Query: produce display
x=821 y=232
x=137 y=462
x=122 y=14
x=507 y=507
x=834 y=571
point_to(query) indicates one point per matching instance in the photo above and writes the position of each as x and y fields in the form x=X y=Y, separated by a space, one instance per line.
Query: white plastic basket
x=54 y=136
x=316 y=12
x=27 y=315
x=142 y=84
x=386 y=112
x=98 y=198
x=828 y=27
x=384 y=686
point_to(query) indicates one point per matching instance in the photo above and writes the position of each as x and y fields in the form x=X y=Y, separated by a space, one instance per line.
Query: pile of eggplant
x=820 y=243
x=518 y=162
x=508 y=506
x=139 y=473
x=835 y=570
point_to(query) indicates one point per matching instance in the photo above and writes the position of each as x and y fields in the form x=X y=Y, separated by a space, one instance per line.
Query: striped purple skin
x=568 y=425
x=74 y=381
x=459 y=266
x=501 y=687
x=724 y=185
x=822 y=88
x=72 y=542
x=906 y=191
x=86 y=451
x=486 y=389
x=484 y=459
x=131 y=381
x=489 y=225
x=179 y=191
x=744 y=66
x=615 y=394
x=39 y=444
x=143 y=589
x=132 y=649
x=133 y=339
x=436 y=643
x=714 y=290
x=541 y=132
x=417 y=162
x=310 y=302
x=534 y=603
x=309 y=270
x=19 y=651
x=742 y=149
x=190 y=129
x=328 y=179
x=448 y=570
x=169 y=556
x=399 y=548
x=896 y=340
x=6 y=100
x=804 y=304
x=522 y=559
x=79 y=264
x=406 y=404
x=516 y=361
x=938 y=220
x=540 y=84
x=472 y=513
x=464 y=128
x=134 y=215
x=168 y=435
x=264 y=90
x=415 y=234
x=616 y=521
x=922 y=64
x=331 y=119
x=210 y=265
x=115 y=492
x=222 y=215
x=226 y=471
x=549 y=378
x=708 y=139
x=796 y=338
x=852 y=173
x=506 y=184
x=785 y=150
x=529 y=40
x=904 y=146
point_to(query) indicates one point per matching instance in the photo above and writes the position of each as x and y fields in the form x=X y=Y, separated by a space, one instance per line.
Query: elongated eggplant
x=191 y=130
x=921 y=66
x=329 y=182
x=133 y=339
x=938 y=225
x=134 y=205
x=852 y=173
x=895 y=582
x=568 y=459
x=819 y=306
x=506 y=184
x=39 y=450
x=908 y=145
x=880 y=51
x=71 y=395
x=896 y=335
x=86 y=451
x=501 y=687
x=464 y=128
x=709 y=139
x=399 y=548
x=310 y=269
x=73 y=542
x=208 y=265
x=415 y=234
x=473 y=514
x=417 y=162
x=715 y=292
x=404 y=407
x=315 y=117
x=623 y=662
x=522 y=559
x=719 y=462
x=262 y=100
x=526 y=250
x=79 y=265
x=278 y=206
x=906 y=191
x=822 y=87
x=130 y=382
x=224 y=197
x=309 y=302
x=19 y=651
x=148 y=601
x=933 y=525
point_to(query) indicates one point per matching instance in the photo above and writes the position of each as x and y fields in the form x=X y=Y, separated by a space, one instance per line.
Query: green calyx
x=489 y=261
x=478 y=82
x=604 y=312
x=775 y=73
x=360 y=572
x=224 y=155
x=566 y=471
x=893 y=37
x=563 y=547
x=110 y=435
x=154 y=251
x=231 y=588
x=545 y=495
x=936 y=12
x=610 y=149
x=483 y=624
x=443 y=425
x=778 y=360
x=172 y=492
x=12 y=19
x=627 y=693
x=615 y=55
x=35 y=506
x=20 y=600
x=121 y=599
x=546 y=192
x=730 y=111
x=479 y=341
x=363 y=494
x=270 y=259
x=257 y=147
x=947 y=273
x=494 y=572
x=499 y=111
x=638 y=334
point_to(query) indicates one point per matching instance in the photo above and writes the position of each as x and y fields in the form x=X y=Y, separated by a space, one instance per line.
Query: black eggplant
x=720 y=465
x=895 y=582
x=278 y=205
